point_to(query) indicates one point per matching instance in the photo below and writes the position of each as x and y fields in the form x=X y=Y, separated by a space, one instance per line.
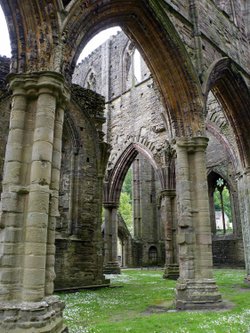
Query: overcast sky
x=91 y=46
x=4 y=36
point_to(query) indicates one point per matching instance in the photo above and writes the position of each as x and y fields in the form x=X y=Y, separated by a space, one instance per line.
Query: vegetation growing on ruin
x=125 y=207
x=141 y=301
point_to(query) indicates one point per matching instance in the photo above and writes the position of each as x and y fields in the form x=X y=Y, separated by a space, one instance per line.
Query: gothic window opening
x=137 y=66
x=222 y=207
x=90 y=82
x=153 y=255
x=125 y=206
x=132 y=67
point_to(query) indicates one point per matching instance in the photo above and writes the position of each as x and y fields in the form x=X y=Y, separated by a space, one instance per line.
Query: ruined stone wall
x=78 y=239
x=223 y=158
x=78 y=260
x=138 y=107
x=211 y=30
x=147 y=228
x=134 y=115
x=228 y=252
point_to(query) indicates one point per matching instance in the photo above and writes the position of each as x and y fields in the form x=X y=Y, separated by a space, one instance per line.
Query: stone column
x=211 y=209
x=54 y=199
x=29 y=203
x=167 y=213
x=137 y=215
x=12 y=199
x=111 y=265
x=196 y=287
x=244 y=202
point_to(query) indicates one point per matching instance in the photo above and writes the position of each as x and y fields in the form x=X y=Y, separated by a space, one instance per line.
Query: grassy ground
x=135 y=304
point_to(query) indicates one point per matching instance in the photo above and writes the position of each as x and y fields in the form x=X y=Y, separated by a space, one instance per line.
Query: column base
x=197 y=295
x=171 y=272
x=33 y=317
x=112 y=267
x=247 y=280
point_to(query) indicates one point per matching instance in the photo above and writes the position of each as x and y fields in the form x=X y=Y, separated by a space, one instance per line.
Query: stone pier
x=168 y=215
x=111 y=265
x=196 y=287
x=244 y=196
x=30 y=205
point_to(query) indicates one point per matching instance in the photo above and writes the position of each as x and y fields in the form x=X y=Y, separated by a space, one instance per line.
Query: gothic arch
x=219 y=172
x=214 y=174
x=230 y=89
x=72 y=131
x=148 y=25
x=113 y=184
x=90 y=80
x=34 y=30
x=126 y=63
x=224 y=142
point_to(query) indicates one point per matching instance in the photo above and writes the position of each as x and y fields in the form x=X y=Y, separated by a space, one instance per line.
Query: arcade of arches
x=70 y=134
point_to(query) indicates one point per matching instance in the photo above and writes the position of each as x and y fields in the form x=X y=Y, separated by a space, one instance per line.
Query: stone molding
x=34 y=84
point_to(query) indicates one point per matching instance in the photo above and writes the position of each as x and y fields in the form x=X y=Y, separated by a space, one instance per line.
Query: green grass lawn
x=136 y=302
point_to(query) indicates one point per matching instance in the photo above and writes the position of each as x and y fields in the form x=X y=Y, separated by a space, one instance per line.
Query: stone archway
x=227 y=84
x=112 y=190
x=229 y=87
x=46 y=41
x=164 y=54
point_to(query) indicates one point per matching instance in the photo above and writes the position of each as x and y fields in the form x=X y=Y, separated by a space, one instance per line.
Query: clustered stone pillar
x=244 y=199
x=168 y=214
x=111 y=264
x=196 y=287
x=30 y=205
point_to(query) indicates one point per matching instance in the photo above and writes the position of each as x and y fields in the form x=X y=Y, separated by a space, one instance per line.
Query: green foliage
x=125 y=210
x=141 y=302
x=125 y=207
x=127 y=184
x=226 y=202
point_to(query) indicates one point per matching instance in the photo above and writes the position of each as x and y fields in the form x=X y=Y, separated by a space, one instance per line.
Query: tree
x=226 y=202
x=125 y=207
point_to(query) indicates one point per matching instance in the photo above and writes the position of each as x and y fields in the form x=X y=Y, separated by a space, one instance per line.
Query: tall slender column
x=29 y=201
x=244 y=200
x=167 y=212
x=137 y=200
x=54 y=200
x=211 y=209
x=12 y=201
x=36 y=227
x=196 y=287
x=111 y=265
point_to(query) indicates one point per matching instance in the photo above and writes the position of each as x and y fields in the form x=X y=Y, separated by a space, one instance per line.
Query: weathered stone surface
x=37 y=317
x=191 y=48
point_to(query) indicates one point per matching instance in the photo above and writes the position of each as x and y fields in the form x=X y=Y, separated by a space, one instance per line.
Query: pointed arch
x=148 y=25
x=113 y=184
x=34 y=34
x=229 y=87
x=89 y=81
x=126 y=64
x=72 y=131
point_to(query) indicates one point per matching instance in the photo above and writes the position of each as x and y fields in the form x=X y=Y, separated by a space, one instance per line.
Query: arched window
x=222 y=207
x=137 y=66
x=128 y=67
x=152 y=255
x=90 y=81
x=132 y=67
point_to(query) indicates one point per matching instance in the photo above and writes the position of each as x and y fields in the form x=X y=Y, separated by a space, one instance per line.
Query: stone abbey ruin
x=166 y=99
